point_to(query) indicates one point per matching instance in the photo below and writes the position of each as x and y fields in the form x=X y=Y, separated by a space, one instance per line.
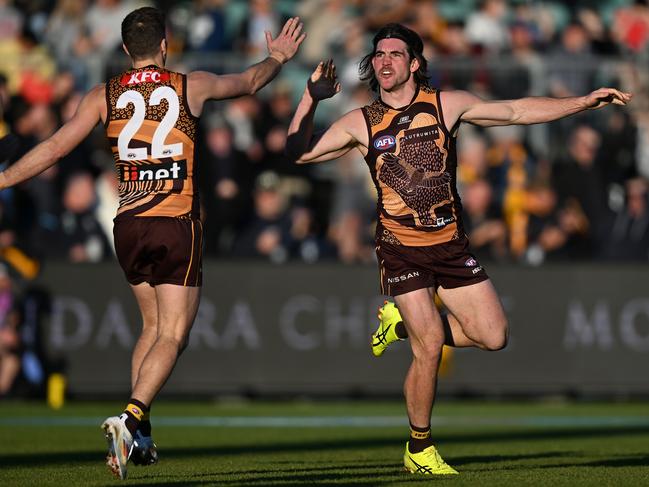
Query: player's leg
x=177 y=307
x=477 y=313
x=144 y=449
x=392 y=329
x=145 y=294
x=426 y=332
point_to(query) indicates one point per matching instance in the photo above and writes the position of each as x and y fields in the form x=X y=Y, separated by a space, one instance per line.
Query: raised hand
x=285 y=45
x=323 y=82
x=605 y=96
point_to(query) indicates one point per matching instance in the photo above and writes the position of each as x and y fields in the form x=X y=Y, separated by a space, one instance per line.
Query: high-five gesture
x=285 y=45
x=605 y=96
x=323 y=83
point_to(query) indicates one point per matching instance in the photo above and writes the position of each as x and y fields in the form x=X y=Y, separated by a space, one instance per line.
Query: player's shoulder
x=457 y=97
x=200 y=77
x=353 y=118
x=97 y=94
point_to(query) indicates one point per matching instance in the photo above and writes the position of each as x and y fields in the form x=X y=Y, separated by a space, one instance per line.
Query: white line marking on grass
x=346 y=421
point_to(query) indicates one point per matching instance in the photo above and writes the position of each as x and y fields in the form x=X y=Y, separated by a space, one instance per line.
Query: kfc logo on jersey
x=385 y=142
x=154 y=172
x=130 y=79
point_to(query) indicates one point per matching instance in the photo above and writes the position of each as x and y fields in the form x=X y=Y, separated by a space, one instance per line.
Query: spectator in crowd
x=582 y=196
x=206 y=28
x=64 y=35
x=227 y=173
x=262 y=16
x=80 y=237
x=326 y=21
x=486 y=29
x=628 y=238
x=276 y=230
x=483 y=221
x=10 y=342
x=630 y=27
x=573 y=64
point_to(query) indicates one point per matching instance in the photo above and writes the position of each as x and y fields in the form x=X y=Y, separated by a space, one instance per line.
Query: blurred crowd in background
x=573 y=190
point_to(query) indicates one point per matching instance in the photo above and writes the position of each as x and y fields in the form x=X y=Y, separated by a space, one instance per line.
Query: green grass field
x=333 y=443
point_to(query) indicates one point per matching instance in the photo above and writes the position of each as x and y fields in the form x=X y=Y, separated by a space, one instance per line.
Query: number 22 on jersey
x=158 y=147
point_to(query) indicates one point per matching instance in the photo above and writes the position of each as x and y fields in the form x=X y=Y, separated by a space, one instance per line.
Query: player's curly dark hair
x=415 y=51
x=142 y=31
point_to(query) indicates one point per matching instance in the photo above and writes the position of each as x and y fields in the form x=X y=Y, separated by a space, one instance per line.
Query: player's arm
x=302 y=145
x=466 y=107
x=48 y=152
x=205 y=86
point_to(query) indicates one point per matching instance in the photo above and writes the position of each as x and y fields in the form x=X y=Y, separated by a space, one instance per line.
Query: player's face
x=392 y=64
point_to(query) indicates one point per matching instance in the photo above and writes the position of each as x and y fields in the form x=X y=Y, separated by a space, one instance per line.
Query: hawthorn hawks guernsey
x=412 y=159
x=152 y=134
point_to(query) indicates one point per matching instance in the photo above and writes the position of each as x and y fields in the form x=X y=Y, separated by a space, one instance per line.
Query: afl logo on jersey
x=385 y=142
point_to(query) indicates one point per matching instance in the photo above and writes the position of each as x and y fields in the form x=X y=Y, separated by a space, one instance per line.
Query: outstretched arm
x=301 y=144
x=205 y=86
x=48 y=152
x=466 y=107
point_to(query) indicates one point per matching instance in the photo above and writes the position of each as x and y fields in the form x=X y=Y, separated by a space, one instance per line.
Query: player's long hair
x=415 y=51
x=142 y=31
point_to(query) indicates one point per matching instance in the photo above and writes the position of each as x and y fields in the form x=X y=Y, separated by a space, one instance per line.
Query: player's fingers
x=300 y=39
x=269 y=38
x=338 y=87
x=296 y=31
x=287 y=26
x=330 y=68
x=317 y=72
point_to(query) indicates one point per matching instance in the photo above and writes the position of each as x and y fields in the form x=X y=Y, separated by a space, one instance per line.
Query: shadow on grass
x=379 y=471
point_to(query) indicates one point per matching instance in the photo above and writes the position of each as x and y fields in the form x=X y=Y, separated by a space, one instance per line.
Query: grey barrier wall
x=306 y=329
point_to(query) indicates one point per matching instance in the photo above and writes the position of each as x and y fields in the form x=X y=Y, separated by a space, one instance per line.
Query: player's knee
x=179 y=343
x=497 y=340
x=427 y=351
x=183 y=345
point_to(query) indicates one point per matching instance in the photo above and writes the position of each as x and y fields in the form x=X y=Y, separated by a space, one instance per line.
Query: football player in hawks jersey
x=150 y=115
x=408 y=138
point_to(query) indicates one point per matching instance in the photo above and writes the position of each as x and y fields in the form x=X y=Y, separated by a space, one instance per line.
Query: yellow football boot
x=427 y=462
x=386 y=334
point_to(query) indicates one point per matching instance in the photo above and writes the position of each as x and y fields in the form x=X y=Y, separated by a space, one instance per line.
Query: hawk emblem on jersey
x=416 y=170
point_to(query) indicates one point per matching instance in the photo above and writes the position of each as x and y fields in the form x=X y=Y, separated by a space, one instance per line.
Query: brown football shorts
x=160 y=250
x=449 y=265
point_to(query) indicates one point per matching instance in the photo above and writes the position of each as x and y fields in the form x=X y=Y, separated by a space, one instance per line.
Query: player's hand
x=285 y=45
x=605 y=96
x=323 y=82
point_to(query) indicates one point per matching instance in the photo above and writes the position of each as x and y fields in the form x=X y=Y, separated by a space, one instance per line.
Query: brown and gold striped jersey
x=152 y=135
x=412 y=159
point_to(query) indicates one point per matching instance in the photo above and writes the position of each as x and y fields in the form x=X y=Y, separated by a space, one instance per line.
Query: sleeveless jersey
x=413 y=162
x=152 y=134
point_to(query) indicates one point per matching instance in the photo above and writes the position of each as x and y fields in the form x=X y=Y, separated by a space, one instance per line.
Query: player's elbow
x=295 y=157
x=294 y=151
x=54 y=150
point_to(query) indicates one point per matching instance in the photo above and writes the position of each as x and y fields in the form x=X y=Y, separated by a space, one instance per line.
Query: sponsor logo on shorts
x=403 y=277
x=471 y=262
x=154 y=172
x=385 y=142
